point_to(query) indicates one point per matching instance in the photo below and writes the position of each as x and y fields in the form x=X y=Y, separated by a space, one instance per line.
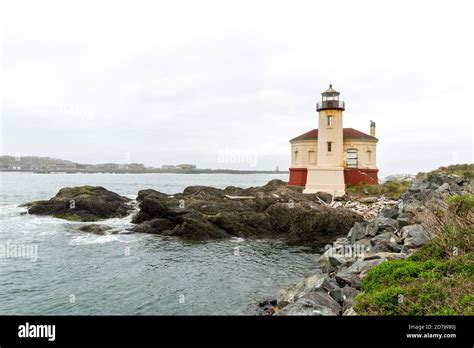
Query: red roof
x=346 y=133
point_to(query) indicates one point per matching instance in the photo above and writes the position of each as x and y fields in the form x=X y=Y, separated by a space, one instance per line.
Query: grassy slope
x=466 y=170
x=438 y=279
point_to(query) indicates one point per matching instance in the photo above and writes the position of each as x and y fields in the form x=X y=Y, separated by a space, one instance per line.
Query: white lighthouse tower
x=327 y=175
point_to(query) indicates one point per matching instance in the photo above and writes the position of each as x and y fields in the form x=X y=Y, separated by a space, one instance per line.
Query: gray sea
x=47 y=266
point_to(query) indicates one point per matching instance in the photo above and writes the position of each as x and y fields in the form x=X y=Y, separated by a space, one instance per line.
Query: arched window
x=296 y=156
x=312 y=156
x=351 y=158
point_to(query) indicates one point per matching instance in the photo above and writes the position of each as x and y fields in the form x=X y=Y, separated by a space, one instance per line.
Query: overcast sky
x=226 y=84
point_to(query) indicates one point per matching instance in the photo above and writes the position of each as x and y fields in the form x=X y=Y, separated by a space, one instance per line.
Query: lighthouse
x=328 y=174
x=330 y=157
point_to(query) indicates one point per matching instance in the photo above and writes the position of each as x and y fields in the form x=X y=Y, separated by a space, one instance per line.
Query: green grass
x=390 y=189
x=437 y=279
x=414 y=287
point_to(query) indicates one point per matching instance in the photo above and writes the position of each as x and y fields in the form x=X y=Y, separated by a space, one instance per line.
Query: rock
x=444 y=188
x=417 y=185
x=275 y=211
x=386 y=241
x=94 y=228
x=305 y=306
x=325 y=197
x=155 y=226
x=383 y=224
x=301 y=289
x=349 y=312
x=414 y=236
x=353 y=274
x=358 y=231
x=348 y=295
x=312 y=225
x=266 y=307
x=324 y=300
x=344 y=296
x=83 y=203
x=390 y=212
x=336 y=257
x=194 y=226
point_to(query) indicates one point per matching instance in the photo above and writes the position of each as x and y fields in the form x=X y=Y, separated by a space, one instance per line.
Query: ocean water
x=47 y=266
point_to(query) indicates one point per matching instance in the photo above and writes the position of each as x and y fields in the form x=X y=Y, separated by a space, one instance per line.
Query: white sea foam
x=93 y=239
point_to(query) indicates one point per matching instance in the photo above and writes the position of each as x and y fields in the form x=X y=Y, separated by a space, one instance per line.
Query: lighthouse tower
x=327 y=175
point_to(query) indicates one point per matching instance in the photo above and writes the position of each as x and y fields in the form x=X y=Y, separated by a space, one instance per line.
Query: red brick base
x=351 y=176
x=298 y=176
x=359 y=176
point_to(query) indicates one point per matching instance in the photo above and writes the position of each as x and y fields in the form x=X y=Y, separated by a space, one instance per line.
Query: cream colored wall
x=366 y=152
x=304 y=147
x=364 y=159
x=332 y=134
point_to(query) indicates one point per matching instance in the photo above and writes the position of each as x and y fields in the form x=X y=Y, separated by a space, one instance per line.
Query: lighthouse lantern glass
x=331 y=96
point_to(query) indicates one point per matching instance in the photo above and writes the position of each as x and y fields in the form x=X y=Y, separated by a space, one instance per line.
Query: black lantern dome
x=330 y=100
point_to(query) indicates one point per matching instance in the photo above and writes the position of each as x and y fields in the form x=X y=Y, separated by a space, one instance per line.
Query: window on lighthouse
x=329 y=146
x=329 y=121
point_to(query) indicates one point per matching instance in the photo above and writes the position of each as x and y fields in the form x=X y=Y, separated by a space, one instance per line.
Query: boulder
x=301 y=289
x=390 y=212
x=306 y=306
x=386 y=241
x=414 y=236
x=266 y=307
x=358 y=231
x=155 y=226
x=383 y=224
x=348 y=295
x=353 y=274
x=444 y=188
x=333 y=258
x=344 y=296
x=83 y=203
x=349 y=312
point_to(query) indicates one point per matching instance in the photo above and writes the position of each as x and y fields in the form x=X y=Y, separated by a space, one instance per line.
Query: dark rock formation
x=271 y=211
x=83 y=203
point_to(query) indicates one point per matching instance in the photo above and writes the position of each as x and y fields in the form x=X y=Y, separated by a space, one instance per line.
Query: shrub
x=461 y=205
x=390 y=189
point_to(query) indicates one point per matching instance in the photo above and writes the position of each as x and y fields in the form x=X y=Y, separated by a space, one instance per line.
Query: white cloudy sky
x=226 y=84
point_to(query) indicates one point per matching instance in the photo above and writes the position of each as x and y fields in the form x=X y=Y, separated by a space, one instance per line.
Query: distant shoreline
x=149 y=171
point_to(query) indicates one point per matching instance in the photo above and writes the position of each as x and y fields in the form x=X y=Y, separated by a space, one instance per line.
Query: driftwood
x=369 y=209
x=239 y=197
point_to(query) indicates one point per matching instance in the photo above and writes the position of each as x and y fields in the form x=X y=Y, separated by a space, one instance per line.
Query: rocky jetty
x=275 y=210
x=394 y=233
x=83 y=203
